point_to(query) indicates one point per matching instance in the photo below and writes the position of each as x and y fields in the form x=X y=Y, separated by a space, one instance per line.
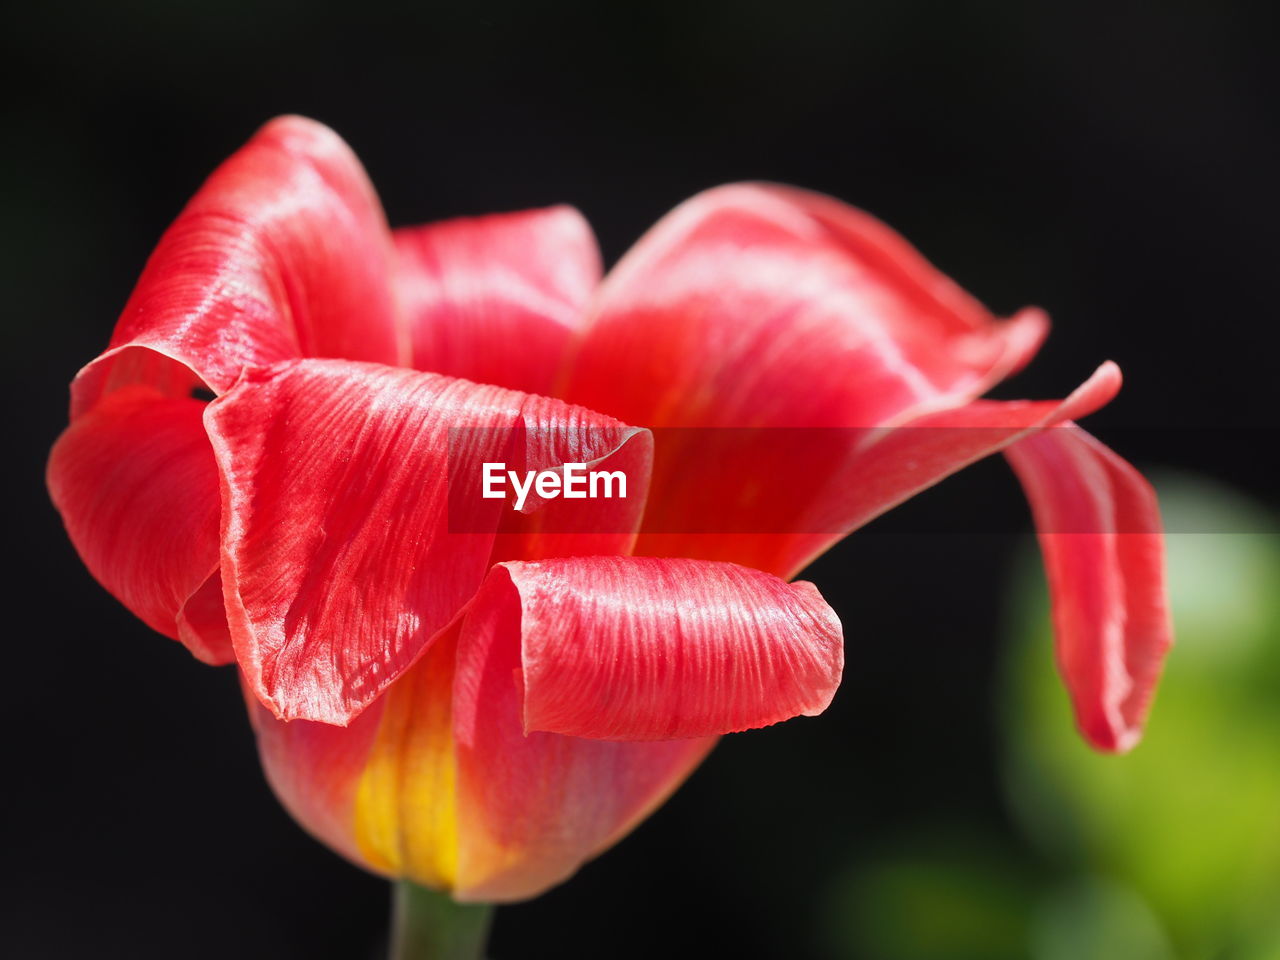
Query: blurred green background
x=1169 y=853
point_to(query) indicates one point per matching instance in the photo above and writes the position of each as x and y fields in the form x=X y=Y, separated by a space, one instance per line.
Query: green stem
x=426 y=925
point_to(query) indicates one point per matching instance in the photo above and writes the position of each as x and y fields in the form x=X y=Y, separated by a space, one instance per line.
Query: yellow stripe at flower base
x=405 y=809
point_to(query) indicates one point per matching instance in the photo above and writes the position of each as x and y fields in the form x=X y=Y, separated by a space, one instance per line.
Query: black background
x=1114 y=164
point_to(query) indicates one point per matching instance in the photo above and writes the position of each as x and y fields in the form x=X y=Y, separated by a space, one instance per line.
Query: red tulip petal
x=611 y=648
x=754 y=305
x=137 y=487
x=532 y=810
x=637 y=648
x=282 y=253
x=392 y=792
x=810 y=489
x=1101 y=536
x=343 y=550
x=202 y=623
x=380 y=791
x=315 y=769
x=936 y=303
x=497 y=299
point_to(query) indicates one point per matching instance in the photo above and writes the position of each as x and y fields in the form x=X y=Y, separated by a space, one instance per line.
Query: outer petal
x=532 y=810
x=380 y=791
x=282 y=253
x=497 y=299
x=754 y=305
x=808 y=489
x=136 y=484
x=393 y=793
x=613 y=647
x=352 y=531
x=638 y=648
x=315 y=769
x=1100 y=532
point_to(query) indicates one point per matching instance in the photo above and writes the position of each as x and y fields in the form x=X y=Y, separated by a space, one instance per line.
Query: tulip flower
x=479 y=699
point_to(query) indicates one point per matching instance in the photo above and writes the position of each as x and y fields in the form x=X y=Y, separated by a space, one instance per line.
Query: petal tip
x=1110 y=739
